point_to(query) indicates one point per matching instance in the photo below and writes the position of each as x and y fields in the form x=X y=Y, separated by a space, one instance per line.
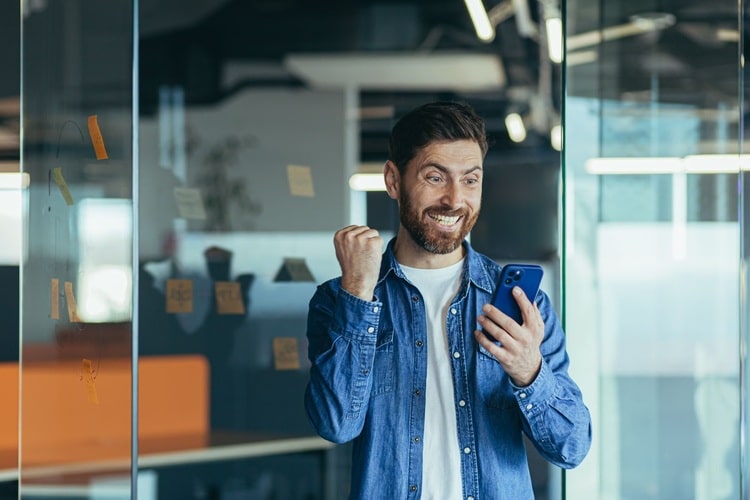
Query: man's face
x=440 y=195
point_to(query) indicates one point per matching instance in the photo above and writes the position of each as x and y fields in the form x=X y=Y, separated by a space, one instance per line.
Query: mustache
x=446 y=212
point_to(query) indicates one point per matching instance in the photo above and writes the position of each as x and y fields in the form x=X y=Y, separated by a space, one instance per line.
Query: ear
x=392 y=179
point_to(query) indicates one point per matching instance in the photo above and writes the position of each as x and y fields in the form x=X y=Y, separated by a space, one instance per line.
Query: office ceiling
x=682 y=51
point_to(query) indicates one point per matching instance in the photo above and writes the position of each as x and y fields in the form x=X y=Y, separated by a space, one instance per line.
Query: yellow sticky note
x=179 y=296
x=189 y=203
x=300 y=180
x=54 y=299
x=88 y=378
x=62 y=185
x=96 y=138
x=229 y=298
x=70 y=298
x=285 y=353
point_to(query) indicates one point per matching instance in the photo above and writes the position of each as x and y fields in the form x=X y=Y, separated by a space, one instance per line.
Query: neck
x=409 y=253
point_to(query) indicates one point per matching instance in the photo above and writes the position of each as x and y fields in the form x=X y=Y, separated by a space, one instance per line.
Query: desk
x=177 y=450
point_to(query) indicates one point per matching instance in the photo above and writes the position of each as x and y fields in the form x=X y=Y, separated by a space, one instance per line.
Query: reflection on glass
x=652 y=276
x=76 y=371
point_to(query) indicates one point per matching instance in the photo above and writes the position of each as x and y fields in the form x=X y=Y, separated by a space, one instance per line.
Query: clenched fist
x=359 y=251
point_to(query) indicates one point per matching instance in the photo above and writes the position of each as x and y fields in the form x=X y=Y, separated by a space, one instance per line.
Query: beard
x=427 y=237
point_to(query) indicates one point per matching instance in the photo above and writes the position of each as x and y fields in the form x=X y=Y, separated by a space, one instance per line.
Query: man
x=435 y=386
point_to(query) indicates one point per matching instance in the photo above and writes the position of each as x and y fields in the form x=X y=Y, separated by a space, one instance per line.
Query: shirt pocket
x=383 y=365
x=493 y=387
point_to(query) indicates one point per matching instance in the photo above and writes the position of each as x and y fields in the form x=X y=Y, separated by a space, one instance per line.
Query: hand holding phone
x=526 y=276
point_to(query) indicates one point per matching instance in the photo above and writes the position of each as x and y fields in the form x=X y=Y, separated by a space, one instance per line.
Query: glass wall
x=177 y=223
x=74 y=432
x=653 y=287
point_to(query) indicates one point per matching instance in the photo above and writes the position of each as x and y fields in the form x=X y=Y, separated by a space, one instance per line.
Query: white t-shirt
x=441 y=463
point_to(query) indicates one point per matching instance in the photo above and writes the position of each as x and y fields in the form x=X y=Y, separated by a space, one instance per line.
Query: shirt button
x=416 y=439
x=417 y=392
x=418 y=343
x=370 y=330
x=375 y=309
x=529 y=406
x=413 y=487
x=456 y=354
x=467 y=450
x=462 y=403
x=522 y=395
x=414 y=298
x=453 y=310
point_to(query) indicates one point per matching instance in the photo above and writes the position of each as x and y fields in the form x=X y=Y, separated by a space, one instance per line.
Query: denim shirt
x=368 y=375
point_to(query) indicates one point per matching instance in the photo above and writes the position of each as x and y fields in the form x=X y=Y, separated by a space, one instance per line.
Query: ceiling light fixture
x=482 y=25
x=554 y=38
x=691 y=164
x=14 y=180
x=555 y=137
x=515 y=127
x=367 y=182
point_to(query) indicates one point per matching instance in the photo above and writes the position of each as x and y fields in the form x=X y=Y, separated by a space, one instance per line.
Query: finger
x=529 y=312
x=500 y=318
x=485 y=342
x=493 y=330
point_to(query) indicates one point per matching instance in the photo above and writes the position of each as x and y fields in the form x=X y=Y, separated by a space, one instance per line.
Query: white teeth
x=446 y=221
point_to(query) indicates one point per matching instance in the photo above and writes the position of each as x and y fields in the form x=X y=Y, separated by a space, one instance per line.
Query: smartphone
x=526 y=276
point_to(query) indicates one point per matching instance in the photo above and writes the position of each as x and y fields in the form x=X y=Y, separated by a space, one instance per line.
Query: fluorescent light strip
x=692 y=164
x=482 y=25
x=554 y=39
x=367 y=182
x=14 y=180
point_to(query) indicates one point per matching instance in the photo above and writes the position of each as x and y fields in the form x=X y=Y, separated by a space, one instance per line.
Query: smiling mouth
x=445 y=220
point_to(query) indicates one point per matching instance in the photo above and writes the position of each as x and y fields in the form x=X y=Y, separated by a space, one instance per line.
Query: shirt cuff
x=356 y=318
x=532 y=397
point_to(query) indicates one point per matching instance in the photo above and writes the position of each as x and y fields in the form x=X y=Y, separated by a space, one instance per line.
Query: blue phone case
x=527 y=276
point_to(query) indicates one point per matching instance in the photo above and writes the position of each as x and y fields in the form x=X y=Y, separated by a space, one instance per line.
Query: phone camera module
x=508 y=281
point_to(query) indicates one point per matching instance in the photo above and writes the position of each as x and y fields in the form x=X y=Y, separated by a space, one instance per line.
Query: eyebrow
x=446 y=170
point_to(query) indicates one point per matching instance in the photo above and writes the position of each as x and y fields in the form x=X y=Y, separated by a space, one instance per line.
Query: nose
x=452 y=195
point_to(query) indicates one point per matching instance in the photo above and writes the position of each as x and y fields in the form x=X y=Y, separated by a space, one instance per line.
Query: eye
x=471 y=181
x=434 y=178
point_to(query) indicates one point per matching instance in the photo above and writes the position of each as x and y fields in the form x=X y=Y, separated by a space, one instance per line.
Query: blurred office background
x=168 y=205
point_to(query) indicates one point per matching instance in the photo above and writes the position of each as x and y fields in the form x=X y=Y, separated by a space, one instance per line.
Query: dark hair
x=440 y=121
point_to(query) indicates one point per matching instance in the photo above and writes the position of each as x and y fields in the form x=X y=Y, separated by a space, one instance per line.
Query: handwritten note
x=70 y=298
x=54 y=298
x=62 y=185
x=179 y=296
x=300 y=180
x=88 y=378
x=189 y=203
x=229 y=298
x=285 y=353
x=96 y=138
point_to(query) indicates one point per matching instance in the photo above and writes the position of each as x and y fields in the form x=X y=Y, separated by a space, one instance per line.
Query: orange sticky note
x=229 y=298
x=62 y=185
x=54 y=299
x=300 y=180
x=285 y=353
x=70 y=298
x=88 y=378
x=179 y=296
x=96 y=138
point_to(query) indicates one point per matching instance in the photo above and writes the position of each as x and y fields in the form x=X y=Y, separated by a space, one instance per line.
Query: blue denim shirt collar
x=475 y=268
